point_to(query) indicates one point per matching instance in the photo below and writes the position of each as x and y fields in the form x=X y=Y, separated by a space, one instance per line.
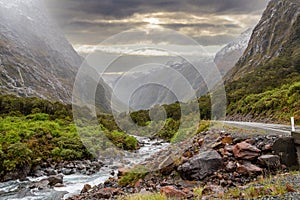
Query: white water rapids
x=73 y=184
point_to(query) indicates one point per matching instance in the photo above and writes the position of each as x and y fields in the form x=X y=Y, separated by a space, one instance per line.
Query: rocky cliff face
x=263 y=84
x=276 y=35
x=35 y=57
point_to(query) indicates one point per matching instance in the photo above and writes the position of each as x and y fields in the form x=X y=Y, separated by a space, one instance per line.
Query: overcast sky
x=209 y=22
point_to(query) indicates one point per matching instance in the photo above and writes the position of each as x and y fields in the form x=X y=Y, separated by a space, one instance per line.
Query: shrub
x=169 y=130
x=16 y=155
x=38 y=117
x=130 y=178
x=183 y=134
x=122 y=140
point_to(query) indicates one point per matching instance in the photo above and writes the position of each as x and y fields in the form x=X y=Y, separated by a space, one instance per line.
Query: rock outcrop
x=201 y=165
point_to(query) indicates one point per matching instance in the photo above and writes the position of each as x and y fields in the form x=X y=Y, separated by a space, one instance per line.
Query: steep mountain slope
x=228 y=56
x=276 y=35
x=270 y=62
x=35 y=57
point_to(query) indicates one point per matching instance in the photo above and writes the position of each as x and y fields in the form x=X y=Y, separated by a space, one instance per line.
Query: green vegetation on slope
x=27 y=140
x=18 y=106
x=279 y=103
x=270 y=91
x=33 y=131
x=278 y=72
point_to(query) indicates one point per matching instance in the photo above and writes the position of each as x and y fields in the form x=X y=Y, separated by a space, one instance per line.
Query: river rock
x=80 y=166
x=87 y=162
x=106 y=193
x=86 y=188
x=123 y=171
x=172 y=192
x=167 y=166
x=201 y=165
x=67 y=171
x=70 y=165
x=270 y=161
x=200 y=141
x=245 y=151
x=268 y=147
x=38 y=173
x=53 y=180
x=248 y=168
x=231 y=166
x=97 y=164
x=229 y=148
x=43 y=184
x=20 y=174
x=50 y=172
x=59 y=185
x=216 y=189
x=227 y=140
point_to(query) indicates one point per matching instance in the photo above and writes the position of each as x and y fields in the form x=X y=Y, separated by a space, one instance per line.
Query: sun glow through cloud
x=152 y=21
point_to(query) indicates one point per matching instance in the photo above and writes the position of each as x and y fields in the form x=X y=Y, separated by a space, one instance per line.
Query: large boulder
x=286 y=150
x=201 y=165
x=245 y=151
x=56 y=179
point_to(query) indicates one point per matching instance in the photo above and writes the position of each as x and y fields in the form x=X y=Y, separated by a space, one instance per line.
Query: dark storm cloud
x=125 y=8
x=91 y=21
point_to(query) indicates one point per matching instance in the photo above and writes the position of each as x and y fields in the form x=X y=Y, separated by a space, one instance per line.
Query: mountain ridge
x=270 y=64
x=36 y=60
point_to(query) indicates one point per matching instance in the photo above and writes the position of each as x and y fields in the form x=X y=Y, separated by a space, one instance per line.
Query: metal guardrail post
x=293 y=124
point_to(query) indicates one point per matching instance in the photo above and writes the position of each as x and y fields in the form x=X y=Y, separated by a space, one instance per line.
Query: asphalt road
x=271 y=128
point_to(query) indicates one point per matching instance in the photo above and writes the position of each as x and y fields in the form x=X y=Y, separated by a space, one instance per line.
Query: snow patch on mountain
x=227 y=57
